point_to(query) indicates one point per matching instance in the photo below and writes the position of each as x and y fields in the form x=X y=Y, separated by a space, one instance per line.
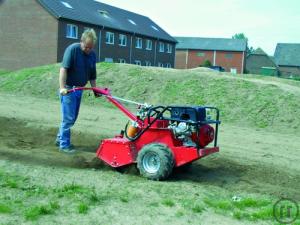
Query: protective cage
x=193 y=115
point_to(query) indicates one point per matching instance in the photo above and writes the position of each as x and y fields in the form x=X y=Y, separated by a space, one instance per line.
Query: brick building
x=36 y=32
x=228 y=53
x=258 y=62
x=287 y=58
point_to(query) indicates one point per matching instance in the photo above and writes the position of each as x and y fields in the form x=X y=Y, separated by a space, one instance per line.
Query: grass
x=26 y=190
x=248 y=208
x=242 y=100
x=83 y=198
x=83 y=208
x=253 y=100
x=33 y=201
x=3 y=72
x=197 y=208
x=4 y=208
x=168 y=202
x=33 y=213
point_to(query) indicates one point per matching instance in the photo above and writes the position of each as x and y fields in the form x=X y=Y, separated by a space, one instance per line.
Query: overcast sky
x=264 y=22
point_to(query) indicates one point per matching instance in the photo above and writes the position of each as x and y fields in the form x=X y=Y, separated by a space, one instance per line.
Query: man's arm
x=93 y=83
x=62 y=81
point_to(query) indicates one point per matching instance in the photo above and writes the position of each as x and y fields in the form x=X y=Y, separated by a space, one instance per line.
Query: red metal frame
x=120 y=151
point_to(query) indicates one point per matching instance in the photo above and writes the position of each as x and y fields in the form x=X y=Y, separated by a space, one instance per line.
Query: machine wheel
x=155 y=161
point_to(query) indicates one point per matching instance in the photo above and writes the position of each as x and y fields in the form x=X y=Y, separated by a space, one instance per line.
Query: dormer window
x=103 y=13
x=66 y=4
x=132 y=22
x=155 y=28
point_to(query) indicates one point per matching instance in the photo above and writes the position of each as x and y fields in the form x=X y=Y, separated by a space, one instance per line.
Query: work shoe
x=68 y=150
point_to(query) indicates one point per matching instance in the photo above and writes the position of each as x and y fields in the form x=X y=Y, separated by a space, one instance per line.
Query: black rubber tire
x=158 y=152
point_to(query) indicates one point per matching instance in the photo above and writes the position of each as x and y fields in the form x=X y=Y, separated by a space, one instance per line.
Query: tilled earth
x=250 y=160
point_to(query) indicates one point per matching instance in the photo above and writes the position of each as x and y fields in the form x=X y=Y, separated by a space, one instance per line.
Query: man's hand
x=63 y=91
x=97 y=95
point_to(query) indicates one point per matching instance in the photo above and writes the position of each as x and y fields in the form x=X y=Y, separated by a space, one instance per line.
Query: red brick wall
x=235 y=62
x=197 y=57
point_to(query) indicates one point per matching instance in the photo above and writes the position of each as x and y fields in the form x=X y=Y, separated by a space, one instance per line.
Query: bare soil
x=250 y=160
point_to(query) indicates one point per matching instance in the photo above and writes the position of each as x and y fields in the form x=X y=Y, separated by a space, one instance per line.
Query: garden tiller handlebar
x=114 y=100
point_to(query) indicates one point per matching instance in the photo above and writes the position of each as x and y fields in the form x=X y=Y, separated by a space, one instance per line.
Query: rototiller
x=159 y=138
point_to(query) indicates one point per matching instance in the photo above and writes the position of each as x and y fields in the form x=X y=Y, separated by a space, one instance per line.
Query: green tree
x=240 y=36
x=243 y=36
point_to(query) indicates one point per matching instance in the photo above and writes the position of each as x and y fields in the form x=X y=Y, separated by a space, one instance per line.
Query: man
x=78 y=67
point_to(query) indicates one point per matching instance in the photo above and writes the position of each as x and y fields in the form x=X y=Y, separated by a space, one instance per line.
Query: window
x=148 y=63
x=110 y=60
x=132 y=22
x=200 y=54
x=160 y=64
x=110 y=38
x=72 y=31
x=103 y=13
x=138 y=62
x=67 y=5
x=139 y=43
x=148 y=45
x=168 y=65
x=155 y=28
x=122 y=40
x=169 y=48
x=161 y=47
x=228 y=55
x=122 y=61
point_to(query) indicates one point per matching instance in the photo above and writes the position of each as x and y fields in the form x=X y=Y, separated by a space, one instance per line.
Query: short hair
x=89 y=34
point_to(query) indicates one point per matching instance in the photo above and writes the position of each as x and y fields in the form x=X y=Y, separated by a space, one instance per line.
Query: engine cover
x=195 y=114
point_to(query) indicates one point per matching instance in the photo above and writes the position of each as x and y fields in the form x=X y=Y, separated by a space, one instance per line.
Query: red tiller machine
x=159 y=138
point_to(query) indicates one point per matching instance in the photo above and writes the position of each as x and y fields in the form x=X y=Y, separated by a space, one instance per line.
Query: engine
x=185 y=129
x=187 y=133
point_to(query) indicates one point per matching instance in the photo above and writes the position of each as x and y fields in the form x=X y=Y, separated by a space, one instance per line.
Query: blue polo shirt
x=80 y=67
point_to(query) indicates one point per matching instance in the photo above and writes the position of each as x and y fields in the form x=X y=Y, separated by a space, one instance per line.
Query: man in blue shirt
x=78 y=67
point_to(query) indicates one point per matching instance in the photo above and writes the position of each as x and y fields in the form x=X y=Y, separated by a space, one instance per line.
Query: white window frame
x=122 y=61
x=139 y=43
x=148 y=44
x=169 y=48
x=122 y=40
x=138 y=62
x=72 y=31
x=110 y=38
x=109 y=60
x=160 y=64
x=161 y=47
x=200 y=54
x=147 y=63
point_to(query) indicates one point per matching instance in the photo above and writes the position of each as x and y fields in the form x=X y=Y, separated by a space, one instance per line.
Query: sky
x=264 y=22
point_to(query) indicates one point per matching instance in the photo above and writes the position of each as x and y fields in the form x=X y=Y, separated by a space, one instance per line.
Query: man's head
x=88 y=40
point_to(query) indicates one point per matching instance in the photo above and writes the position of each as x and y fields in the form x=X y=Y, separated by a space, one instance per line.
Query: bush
x=206 y=63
